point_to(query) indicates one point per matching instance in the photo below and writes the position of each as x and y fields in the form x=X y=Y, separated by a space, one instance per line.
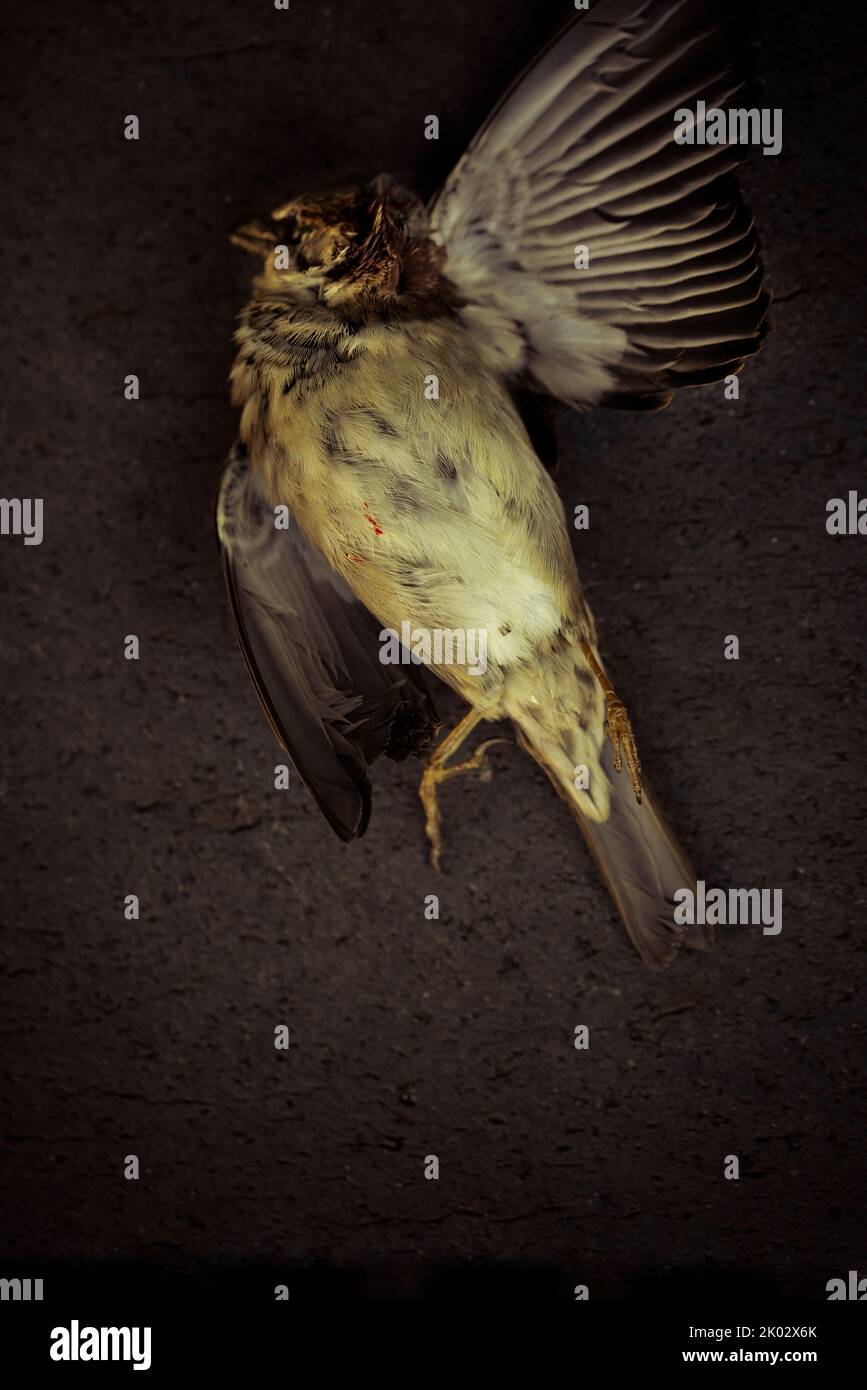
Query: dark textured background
x=410 y=1037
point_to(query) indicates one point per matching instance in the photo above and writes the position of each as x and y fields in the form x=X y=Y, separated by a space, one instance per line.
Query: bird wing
x=313 y=652
x=580 y=152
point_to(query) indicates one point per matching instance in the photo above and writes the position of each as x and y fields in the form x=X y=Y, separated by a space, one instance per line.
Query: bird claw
x=436 y=772
x=623 y=741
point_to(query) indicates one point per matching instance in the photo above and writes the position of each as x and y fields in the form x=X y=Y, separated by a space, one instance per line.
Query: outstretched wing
x=581 y=153
x=313 y=652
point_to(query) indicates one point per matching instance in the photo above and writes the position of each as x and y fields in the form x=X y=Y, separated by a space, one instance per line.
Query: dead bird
x=388 y=476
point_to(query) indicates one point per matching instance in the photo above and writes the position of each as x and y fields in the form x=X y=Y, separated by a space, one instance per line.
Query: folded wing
x=313 y=652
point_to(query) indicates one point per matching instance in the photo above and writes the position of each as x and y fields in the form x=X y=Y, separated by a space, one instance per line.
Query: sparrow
x=393 y=365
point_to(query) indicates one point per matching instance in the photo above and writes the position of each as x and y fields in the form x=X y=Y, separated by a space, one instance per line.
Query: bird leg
x=619 y=727
x=436 y=772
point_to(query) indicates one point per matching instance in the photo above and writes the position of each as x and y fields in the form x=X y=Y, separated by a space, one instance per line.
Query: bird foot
x=623 y=740
x=436 y=772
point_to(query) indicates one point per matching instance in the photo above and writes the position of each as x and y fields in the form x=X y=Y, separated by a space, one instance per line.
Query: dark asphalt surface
x=410 y=1037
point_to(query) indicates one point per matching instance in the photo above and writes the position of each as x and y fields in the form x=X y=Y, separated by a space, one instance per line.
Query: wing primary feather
x=580 y=152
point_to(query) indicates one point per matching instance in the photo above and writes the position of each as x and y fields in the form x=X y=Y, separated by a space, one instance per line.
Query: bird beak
x=286 y=210
x=255 y=238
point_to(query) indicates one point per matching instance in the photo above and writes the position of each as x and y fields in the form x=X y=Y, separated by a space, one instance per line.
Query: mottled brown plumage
x=383 y=370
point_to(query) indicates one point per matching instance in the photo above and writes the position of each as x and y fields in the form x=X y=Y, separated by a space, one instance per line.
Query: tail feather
x=640 y=859
x=643 y=865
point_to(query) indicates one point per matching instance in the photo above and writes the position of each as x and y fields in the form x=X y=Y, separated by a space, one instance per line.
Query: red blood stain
x=375 y=524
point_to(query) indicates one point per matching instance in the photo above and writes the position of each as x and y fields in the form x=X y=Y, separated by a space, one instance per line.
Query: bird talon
x=436 y=772
x=623 y=742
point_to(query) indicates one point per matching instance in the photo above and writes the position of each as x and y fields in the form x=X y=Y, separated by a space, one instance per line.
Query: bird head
x=360 y=250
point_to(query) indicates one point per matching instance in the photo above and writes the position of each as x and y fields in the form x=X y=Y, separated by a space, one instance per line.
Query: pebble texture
x=409 y=1037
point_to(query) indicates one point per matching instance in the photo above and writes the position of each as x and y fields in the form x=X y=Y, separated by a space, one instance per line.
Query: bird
x=396 y=367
